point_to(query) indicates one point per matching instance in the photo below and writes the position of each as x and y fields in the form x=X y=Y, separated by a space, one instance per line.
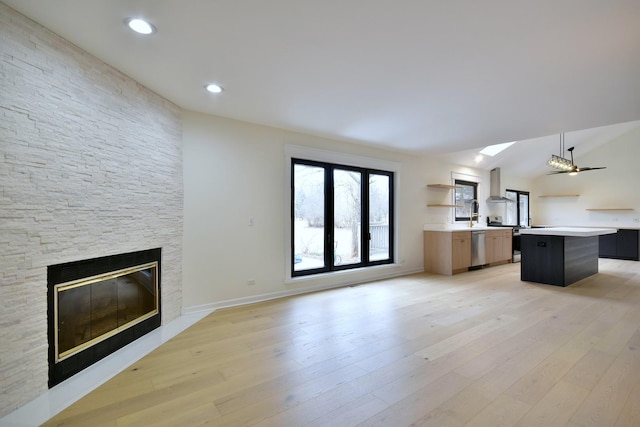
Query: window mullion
x=328 y=223
x=365 y=239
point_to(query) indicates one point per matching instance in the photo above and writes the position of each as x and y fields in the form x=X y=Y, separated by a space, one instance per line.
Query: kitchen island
x=559 y=255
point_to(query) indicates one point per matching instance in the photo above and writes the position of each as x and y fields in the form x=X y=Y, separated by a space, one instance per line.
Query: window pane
x=465 y=193
x=524 y=210
x=378 y=217
x=347 y=193
x=308 y=230
x=511 y=209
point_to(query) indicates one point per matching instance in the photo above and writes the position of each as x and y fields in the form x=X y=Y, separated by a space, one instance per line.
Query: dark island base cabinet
x=558 y=260
x=624 y=244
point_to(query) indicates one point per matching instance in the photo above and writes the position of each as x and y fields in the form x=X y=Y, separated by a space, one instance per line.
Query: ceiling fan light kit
x=561 y=163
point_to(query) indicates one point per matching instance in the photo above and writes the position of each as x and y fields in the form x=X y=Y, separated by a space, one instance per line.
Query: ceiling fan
x=566 y=165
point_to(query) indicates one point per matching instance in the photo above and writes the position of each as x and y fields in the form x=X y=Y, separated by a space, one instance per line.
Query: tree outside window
x=342 y=217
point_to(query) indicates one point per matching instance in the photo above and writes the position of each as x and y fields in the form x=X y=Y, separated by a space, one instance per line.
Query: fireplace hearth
x=98 y=306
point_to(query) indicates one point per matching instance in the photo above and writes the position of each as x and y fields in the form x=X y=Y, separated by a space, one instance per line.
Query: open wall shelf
x=558 y=195
x=442 y=186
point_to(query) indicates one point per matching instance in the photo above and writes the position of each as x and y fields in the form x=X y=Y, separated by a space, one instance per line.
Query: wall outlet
x=636 y=219
x=252 y=222
x=251 y=282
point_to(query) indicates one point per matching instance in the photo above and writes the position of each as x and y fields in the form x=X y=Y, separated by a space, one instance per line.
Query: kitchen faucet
x=473 y=214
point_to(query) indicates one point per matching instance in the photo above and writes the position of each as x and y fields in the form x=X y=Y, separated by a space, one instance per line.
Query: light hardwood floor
x=481 y=349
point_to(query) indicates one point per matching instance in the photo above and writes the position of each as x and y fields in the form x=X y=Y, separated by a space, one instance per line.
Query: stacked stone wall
x=90 y=165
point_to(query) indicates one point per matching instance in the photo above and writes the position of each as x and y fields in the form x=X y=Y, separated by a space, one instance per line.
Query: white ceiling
x=428 y=76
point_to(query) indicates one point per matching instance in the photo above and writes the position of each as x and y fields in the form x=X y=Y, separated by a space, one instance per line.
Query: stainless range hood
x=494 y=187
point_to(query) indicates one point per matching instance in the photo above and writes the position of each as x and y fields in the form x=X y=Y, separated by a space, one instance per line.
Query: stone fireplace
x=92 y=165
x=98 y=306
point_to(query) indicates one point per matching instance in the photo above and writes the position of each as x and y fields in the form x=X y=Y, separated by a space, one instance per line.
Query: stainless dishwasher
x=478 y=254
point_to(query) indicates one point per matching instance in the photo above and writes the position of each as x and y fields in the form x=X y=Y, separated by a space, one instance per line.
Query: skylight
x=492 y=150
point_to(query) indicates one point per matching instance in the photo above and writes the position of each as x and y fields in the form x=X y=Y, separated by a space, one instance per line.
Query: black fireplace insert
x=99 y=305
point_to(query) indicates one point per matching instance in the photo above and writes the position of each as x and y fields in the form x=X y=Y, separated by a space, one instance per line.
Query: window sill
x=300 y=280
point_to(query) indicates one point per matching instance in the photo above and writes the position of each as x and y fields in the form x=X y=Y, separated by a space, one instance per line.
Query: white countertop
x=474 y=228
x=568 y=231
x=625 y=227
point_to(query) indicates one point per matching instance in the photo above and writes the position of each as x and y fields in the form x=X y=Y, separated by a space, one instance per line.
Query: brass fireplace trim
x=95 y=279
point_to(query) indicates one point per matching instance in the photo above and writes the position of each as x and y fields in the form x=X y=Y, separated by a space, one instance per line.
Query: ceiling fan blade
x=577 y=170
x=591 y=169
x=585 y=169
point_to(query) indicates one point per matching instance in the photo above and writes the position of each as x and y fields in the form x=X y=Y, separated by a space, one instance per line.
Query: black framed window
x=518 y=212
x=341 y=217
x=465 y=193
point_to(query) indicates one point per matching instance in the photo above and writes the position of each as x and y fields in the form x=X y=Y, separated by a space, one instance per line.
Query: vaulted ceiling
x=426 y=76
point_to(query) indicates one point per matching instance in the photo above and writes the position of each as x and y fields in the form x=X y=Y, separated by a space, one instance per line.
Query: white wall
x=614 y=187
x=234 y=171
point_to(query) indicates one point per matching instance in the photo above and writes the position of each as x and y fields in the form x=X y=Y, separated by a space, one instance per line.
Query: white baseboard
x=290 y=292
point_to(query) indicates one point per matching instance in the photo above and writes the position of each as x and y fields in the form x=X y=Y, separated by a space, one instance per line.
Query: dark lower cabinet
x=624 y=244
x=608 y=246
x=542 y=259
x=558 y=260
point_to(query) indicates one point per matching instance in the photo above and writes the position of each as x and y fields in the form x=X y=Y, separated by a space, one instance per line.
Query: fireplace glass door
x=91 y=310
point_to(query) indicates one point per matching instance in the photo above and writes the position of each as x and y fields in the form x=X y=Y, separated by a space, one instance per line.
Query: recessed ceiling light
x=479 y=158
x=213 y=88
x=140 y=26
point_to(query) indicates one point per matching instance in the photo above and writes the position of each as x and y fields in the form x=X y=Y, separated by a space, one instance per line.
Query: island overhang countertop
x=568 y=231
